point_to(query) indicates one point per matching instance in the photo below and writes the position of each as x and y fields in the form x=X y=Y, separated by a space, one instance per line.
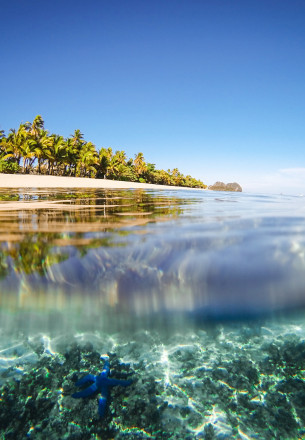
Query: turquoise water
x=198 y=296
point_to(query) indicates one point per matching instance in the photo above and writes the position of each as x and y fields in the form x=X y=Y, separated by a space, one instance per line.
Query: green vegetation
x=31 y=149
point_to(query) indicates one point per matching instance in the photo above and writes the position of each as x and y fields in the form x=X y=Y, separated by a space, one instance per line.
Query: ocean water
x=197 y=297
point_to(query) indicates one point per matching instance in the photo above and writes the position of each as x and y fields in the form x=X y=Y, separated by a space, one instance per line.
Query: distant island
x=33 y=150
x=220 y=186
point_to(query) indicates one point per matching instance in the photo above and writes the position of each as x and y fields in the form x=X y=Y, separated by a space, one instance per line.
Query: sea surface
x=197 y=297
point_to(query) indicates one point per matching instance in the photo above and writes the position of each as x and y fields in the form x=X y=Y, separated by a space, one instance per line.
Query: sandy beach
x=34 y=181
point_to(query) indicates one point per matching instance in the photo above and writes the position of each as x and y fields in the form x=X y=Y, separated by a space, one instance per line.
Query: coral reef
x=206 y=384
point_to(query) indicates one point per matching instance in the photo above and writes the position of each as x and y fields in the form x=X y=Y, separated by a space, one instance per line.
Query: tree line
x=32 y=149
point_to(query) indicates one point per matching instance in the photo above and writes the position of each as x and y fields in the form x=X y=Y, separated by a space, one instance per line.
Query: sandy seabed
x=34 y=181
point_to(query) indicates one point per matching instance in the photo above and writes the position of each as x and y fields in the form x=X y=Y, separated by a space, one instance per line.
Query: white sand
x=33 y=181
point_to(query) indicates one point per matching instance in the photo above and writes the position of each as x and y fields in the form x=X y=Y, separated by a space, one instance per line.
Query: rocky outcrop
x=220 y=186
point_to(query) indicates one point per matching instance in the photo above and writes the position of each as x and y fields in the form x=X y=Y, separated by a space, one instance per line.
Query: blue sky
x=213 y=87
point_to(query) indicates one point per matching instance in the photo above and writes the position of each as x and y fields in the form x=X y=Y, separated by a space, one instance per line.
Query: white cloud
x=293 y=171
x=285 y=181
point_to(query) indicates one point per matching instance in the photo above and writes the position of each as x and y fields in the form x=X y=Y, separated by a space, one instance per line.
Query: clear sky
x=213 y=87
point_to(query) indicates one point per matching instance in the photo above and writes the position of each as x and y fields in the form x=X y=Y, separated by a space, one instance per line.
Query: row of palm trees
x=31 y=149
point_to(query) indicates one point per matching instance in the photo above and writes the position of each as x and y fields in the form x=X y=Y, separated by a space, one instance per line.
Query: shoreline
x=43 y=181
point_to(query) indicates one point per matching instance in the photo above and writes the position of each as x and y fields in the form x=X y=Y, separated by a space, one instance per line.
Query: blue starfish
x=100 y=384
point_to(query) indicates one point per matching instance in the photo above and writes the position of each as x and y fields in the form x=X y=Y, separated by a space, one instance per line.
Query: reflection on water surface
x=34 y=224
x=39 y=229
x=100 y=259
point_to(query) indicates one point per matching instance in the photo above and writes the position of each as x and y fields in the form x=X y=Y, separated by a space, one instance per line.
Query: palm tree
x=124 y=172
x=2 y=143
x=109 y=154
x=176 y=177
x=113 y=168
x=28 y=154
x=70 y=160
x=120 y=157
x=14 y=143
x=77 y=139
x=87 y=159
x=150 y=173
x=42 y=148
x=76 y=144
x=102 y=163
x=162 y=177
x=139 y=164
x=116 y=164
x=105 y=162
x=36 y=127
x=57 y=153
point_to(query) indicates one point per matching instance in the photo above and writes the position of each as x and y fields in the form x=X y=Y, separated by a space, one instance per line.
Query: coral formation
x=208 y=384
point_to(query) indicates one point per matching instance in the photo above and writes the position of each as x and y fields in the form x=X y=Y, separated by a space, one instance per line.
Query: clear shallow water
x=187 y=287
x=137 y=258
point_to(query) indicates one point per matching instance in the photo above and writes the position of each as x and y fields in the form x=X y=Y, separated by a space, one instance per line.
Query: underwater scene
x=136 y=314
